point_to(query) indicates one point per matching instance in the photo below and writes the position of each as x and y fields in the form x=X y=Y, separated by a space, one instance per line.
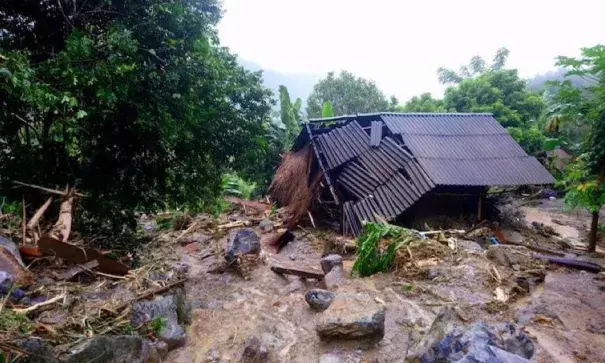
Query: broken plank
x=298 y=270
x=66 y=275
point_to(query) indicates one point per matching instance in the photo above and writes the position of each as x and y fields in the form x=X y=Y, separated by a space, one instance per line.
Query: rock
x=114 y=349
x=265 y=226
x=481 y=342
x=329 y=358
x=332 y=280
x=319 y=299
x=293 y=286
x=243 y=242
x=197 y=237
x=163 y=307
x=160 y=347
x=508 y=255
x=330 y=261
x=349 y=319
x=38 y=351
x=254 y=351
x=470 y=245
x=435 y=271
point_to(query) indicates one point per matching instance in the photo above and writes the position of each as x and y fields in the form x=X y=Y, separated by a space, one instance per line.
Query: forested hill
x=299 y=85
x=538 y=82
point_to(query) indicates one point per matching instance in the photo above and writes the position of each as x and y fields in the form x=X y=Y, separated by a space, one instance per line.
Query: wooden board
x=301 y=270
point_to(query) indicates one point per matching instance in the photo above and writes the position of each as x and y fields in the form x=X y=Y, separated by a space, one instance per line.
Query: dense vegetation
x=137 y=105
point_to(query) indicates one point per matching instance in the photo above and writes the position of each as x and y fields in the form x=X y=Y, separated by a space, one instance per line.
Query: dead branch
x=36 y=218
x=48 y=190
x=39 y=305
x=151 y=293
x=62 y=228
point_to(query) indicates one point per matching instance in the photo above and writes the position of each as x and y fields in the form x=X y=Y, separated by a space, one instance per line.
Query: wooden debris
x=48 y=190
x=11 y=263
x=298 y=270
x=234 y=224
x=260 y=206
x=77 y=270
x=62 y=228
x=571 y=262
x=33 y=222
x=151 y=293
x=53 y=247
x=39 y=305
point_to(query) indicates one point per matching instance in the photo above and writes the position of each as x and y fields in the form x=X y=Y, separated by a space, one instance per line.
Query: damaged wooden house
x=384 y=166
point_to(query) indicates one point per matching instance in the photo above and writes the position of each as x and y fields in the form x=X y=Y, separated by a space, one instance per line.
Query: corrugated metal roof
x=488 y=172
x=375 y=133
x=343 y=144
x=466 y=149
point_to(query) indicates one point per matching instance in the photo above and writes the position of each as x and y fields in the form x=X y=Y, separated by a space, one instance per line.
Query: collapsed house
x=379 y=166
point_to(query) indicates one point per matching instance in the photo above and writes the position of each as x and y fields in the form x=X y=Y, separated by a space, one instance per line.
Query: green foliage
x=135 y=103
x=476 y=67
x=372 y=257
x=12 y=323
x=327 y=110
x=531 y=139
x=583 y=187
x=158 y=324
x=290 y=114
x=347 y=94
x=423 y=103
x=233 y=184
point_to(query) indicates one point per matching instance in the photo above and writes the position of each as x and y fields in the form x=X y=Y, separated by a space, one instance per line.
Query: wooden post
x=479 y=208
x=321 y=165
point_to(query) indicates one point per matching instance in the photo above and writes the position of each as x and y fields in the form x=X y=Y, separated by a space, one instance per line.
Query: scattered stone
x=333 y=279
x=509 y=255
x=163 y=307
x=292 y=257
x=160 y=347
x=330 y=261
x=254 y=351
x=197 y=237
x=243 y=242
x=447 y=341
x=350 y=319
x=329 y=358
x=265 y=226
x=319 y=299
x=114 y=349
x=470 y=245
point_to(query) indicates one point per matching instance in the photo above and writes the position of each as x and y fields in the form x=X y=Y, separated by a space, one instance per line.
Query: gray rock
x=508 y=255
x=39 y=352
x=330 y=261
x=333 y=279
x=470 y=245
x=489 y=343
x=255 y=351
x=293 y=286
x=265 y=226
x=329 y=358
x=161 y=347
x=162 y=307
x=350 y=320
x=114 y=349
x=242 y=242
x=195 y=237
x=319 y=299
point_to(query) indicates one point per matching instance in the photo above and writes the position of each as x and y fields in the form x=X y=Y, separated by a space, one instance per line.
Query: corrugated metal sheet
x=442 y=124
x=375 y=133
x=343 y=144
x=488 y=172
x=465 y=149
x=358 y=180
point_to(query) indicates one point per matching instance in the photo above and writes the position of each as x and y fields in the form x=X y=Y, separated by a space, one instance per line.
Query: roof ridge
x=475 y=159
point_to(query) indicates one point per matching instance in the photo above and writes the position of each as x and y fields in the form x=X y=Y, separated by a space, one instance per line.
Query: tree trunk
x=594 y=226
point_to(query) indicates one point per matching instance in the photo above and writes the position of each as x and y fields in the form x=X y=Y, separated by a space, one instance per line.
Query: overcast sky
x=400 y=43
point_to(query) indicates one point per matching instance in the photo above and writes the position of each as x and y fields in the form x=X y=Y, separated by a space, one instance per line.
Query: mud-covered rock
x=265 y=226
x=255 y=351
x=319 y=299
x=162 y=307
x=242 y=242
x=38 y=351
x=331 y=261
x=114 y=349
x=448 y=341
x=333 y=279
x=350 y=319
x=508 y=255
x=329 y=358
x=161 y=347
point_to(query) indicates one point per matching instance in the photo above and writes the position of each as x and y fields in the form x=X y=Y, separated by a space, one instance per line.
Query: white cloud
x=400 y=44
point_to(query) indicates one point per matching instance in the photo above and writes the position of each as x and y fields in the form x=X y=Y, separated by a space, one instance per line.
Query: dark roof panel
x=375 y=133
x=463 y=147
x=442 y=124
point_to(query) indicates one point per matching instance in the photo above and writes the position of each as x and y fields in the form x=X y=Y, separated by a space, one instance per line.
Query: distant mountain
x=538 y=82
x=299 y=85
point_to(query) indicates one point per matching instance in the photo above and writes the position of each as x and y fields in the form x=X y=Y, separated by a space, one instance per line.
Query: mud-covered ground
x=564 y=312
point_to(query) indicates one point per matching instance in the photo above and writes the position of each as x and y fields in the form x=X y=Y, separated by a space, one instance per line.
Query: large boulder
x=114 y=349
x=319 y=299
x=242 y=242
x=448 y=341
x=162 y=307
x=352 y=319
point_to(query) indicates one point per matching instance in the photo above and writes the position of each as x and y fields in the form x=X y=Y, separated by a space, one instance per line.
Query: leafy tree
x=476 y=67
x=326 y=110
x=585 y=180
x=347 y=94
x=133 y=102
x=423 y=103
x=290 y=114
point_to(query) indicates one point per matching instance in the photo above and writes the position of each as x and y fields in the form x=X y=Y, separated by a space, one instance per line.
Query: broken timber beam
x=325 y=174
x=298 y=270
